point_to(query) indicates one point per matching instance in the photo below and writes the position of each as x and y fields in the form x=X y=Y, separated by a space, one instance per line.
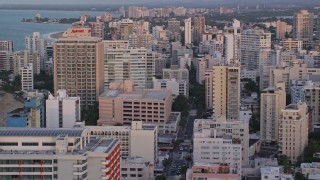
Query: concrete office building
x=135 y=168
x=176 y=73
x=293 y=130
x=62 y=111
x=137 y=65
x=208 y=147
x=176 y=87
x=78 y=65
x=237 y=131
x=212 y=171
x=26 y=73
x=312 y=98
x=57 y=154
x=6 y=46
x=303 y=27
x=174 y=26
x=138 y=132
x=253 y=41
x=223 y=91
x=23 y=58
x=122 y=103
x=273 y=99
x=187 y=31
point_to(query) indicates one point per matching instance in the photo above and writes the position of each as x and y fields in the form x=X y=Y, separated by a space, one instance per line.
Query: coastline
x=56 y=35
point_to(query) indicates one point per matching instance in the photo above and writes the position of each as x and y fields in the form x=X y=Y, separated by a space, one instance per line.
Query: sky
x=138 y=1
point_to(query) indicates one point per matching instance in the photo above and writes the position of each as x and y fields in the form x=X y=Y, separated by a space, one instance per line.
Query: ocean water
x=11 y=27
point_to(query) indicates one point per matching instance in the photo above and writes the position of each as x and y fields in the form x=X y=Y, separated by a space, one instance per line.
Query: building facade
x=177 y=87
x=303 y=27
x=78 y=65
x=62 y=111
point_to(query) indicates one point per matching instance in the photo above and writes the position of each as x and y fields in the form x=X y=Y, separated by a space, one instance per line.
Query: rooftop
x=36 y=132
x=147 y=94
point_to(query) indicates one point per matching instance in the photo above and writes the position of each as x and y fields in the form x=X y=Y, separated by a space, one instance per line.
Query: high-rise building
x=303 y=27
x=78 y=65
x=122 y=64
x=223 y=91
x=126 y=29
x=293 y=130
x=23 y=59
x=120 y=104
x=232 y=39
x=62 y=111
x=253 y=41
x=281 y=29
x=35 y=44
x=273 y=99
x=312 y=98
x=237 y=131
x=187 y=31
x=174 y=26
x=7 y=46
x=40 y=153
x=5 y=58
x=97 y=29
x=26 y=73
x=199 y=27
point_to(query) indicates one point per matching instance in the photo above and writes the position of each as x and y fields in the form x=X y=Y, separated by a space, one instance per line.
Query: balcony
x=105 y=170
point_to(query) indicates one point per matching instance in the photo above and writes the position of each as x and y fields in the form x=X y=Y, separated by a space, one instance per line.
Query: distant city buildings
x=303 y=27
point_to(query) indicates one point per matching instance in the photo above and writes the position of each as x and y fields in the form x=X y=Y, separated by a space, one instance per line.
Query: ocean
x=11 y=27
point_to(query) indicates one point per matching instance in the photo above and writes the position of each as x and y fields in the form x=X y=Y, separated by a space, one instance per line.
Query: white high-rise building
x=123 y=64
x=232 y=37
x=273 y=99
x=26 y=73
x=187 y=31
x=62 y=111
x=35 y=44
x=23 y=58
x=253 y=41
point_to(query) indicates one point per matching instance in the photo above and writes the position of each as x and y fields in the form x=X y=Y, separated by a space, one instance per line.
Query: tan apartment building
x=303 y=27
x=293 y=130
x=222 y=90
x=281 y=29
x=122 y=104
x=292 y=45
x=294 y=72
x=272 y=100
x=78 y=65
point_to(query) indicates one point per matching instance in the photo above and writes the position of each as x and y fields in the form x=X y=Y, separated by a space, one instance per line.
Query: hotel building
x=78 y=65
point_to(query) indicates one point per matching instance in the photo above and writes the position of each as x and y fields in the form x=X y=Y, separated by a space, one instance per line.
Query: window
x=48 y=144
x=8 y=144
x=30 y=144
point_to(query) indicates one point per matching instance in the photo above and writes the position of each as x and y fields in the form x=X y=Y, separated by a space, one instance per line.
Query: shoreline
x=56 y=35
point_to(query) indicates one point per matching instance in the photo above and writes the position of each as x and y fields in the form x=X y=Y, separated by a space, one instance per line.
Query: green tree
x=91 y=115
x=180 y=104
x=160 y=177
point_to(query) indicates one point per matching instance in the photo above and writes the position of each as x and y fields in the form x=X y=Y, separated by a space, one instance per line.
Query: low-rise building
x=19 y=118
x=122 y=104
x=212 y=171
x=310 y=168
x=135 y=168
x=177 y=87
x=57 y=154
x=62 y=111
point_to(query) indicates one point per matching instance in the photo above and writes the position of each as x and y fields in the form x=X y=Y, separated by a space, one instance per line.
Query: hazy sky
x=142 y=1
